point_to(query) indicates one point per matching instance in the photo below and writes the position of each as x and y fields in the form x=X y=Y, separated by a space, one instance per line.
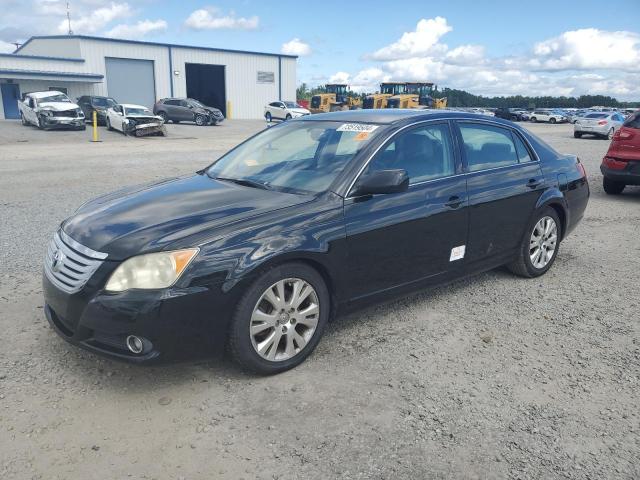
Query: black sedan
x=258 y=251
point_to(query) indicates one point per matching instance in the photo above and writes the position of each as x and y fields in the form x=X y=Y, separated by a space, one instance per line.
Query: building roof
x=140 y=42
x=50 y=73
x=40 y=57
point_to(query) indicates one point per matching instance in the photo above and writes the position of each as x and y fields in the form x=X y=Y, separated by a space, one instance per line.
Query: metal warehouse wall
x=53 y=47
x=247 y=96
x=289 y=78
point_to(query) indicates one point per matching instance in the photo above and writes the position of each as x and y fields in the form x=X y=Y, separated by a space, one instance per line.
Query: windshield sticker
x=356 y=127
x=361 y=136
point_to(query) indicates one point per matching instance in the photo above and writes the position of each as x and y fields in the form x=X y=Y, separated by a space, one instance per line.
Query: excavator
x=387 y=90
x=337 y=97
x=417 y=95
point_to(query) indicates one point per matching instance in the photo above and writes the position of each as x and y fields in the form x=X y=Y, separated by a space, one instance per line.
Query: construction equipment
x=387 y=90
x=417 y=95
x=337 y=97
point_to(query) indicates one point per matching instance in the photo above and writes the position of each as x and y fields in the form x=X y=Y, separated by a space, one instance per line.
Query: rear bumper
x=630 y=175
x=602 y=131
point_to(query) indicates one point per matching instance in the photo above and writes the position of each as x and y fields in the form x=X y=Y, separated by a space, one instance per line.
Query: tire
x=611 y=187
x=109 y=127
x=534 y=120
x=552 y=120
x=610 y=134
x=201 y=120
x=243 y=345
x=163 y=115
x=267 y=117
x=40 y=123
x=524 y=266
x=288 y=117
x=577 y=134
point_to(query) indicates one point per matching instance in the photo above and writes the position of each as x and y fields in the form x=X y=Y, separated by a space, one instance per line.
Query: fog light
x=135 y=344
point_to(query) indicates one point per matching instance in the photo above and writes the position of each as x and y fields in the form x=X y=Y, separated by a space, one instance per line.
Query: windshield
x=138 y=111
x=292 y=105
x=58 y=97
x=197 y=103
x=295 y=157
x=103 y=102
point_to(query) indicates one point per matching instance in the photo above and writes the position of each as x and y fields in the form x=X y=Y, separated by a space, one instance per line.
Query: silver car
x=600 y=124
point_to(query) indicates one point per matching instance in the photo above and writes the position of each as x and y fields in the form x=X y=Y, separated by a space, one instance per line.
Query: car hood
x=301 y=111
x=138 y=116
x=58 y=106
x=150 y=217
x=212 y=110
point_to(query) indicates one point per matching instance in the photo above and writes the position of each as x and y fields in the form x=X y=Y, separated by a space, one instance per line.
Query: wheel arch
x=554 y=199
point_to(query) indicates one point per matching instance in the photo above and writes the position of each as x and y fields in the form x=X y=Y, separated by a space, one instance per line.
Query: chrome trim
x=436 y=120
x=68 y=264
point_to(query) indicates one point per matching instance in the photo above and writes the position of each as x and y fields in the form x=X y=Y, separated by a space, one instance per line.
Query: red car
x=621 y=164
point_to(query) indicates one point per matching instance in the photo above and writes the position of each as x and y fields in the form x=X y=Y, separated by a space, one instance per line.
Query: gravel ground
x=491 y=377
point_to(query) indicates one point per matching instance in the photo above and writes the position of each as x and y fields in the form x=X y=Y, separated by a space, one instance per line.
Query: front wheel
x=577 y=134
x=539 y=246
x=552 y=120
x=201 y=120
x=288 y=117
x=534 y=120
x=611 y=187
x=280 y=319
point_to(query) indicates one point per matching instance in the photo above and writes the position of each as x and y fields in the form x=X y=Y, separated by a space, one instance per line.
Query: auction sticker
x=356 y=127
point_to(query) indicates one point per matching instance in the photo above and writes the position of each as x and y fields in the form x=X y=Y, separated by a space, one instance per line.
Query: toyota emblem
x=57 y=261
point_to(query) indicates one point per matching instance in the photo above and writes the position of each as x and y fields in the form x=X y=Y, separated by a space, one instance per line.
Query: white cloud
x=137 y=30
x=211 y=18
x=422 y=41
x=6 y=47
x=589 y=48
x=96 y=20
x=587 y=61
x=296 y=47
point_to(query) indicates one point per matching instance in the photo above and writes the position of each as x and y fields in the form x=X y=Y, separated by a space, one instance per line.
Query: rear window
x=596 y=115
x=633 y=121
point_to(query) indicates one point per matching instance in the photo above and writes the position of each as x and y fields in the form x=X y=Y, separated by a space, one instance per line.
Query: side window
x=425 y=153
x=274 y=104
x=184 y=103
x=521 y=148
x=487 y=146
x=172 y=102
x=633 y=121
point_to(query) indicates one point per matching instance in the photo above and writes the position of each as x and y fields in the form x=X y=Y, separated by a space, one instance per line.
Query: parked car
x=134 y=120
x=284 y=111
x=621 y=164
x=574 y=116
x=506 y=114
x=600 y=124
x=50 y=109
x=187 y=110
x=546 y=116
x=94 y=103
x=257 y=251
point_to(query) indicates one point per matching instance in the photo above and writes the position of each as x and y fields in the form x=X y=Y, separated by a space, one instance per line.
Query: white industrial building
x=240 y=83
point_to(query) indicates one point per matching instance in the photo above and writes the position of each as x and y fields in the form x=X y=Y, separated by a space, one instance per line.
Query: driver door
x=401 y=238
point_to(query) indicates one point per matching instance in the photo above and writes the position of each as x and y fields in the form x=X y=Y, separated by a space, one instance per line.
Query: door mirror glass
x=382 y=182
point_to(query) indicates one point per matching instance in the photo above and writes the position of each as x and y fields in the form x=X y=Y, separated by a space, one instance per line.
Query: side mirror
x=382 y=182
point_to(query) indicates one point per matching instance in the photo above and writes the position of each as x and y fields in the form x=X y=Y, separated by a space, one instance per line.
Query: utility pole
x=69 y=20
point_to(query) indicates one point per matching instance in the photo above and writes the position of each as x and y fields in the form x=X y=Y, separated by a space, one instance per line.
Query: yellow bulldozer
x=337 y=97
x=417 y=95
x=387 y=90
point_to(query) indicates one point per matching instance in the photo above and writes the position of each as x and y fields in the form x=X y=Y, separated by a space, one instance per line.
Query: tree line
x=461 y=98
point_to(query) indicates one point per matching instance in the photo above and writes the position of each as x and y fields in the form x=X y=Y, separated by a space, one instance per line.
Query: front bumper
x=630 y=175
x=174 y=322
x=62 y=122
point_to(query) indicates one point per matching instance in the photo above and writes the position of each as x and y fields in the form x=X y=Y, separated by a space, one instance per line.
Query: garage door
x=131 y=81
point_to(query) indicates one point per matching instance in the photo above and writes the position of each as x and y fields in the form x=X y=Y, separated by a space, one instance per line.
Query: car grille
x=66 y=114
x=68 y=264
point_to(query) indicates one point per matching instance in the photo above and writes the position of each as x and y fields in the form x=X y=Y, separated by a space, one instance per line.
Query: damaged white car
x=50 y=109
x=134 y=120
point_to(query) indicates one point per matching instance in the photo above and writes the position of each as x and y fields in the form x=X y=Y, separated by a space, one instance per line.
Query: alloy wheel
x=543 y=242
x=284 y=319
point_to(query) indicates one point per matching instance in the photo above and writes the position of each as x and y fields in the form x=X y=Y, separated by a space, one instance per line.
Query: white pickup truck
x=51 y=109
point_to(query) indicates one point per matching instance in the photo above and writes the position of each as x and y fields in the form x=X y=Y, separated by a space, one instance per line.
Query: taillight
x=613 y=163
x=602 y=122
x=581 y=168
x=624 y=134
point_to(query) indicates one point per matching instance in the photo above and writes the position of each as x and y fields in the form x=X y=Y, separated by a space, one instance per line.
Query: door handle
x=454 y=202
x=534 y=183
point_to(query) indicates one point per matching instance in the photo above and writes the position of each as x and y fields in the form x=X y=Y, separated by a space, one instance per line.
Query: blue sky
x=491 y=47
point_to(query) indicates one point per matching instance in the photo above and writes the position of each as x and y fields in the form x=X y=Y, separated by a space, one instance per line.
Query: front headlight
x=150 y=271
x=47 y=113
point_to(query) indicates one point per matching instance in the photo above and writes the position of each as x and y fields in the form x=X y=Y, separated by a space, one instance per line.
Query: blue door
x=10 y=96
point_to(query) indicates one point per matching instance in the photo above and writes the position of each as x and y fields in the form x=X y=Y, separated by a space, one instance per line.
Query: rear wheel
x=280 y=319
x=201 y=120
x=577 y=134
x=611 y=187
x=534 y=119
x=267 y=117
x=540 y=245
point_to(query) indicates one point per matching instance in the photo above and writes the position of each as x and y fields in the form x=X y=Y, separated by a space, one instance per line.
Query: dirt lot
x=491 y=377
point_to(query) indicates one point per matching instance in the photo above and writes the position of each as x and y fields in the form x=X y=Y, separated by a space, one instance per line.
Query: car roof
x=48 y=93
x=131 y=105
x=390 y=116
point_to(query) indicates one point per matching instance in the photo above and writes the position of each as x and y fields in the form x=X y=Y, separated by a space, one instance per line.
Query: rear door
x=400 y=238
x=504 y=182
